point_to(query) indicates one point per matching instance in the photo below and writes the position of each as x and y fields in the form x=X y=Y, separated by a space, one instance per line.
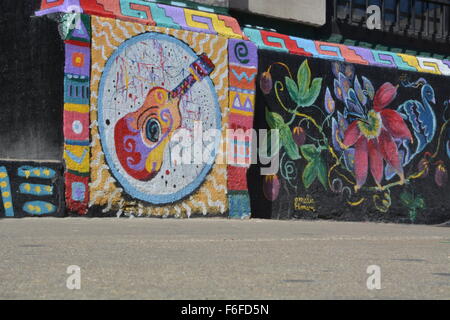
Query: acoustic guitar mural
x=142 y=136
x=152 y=86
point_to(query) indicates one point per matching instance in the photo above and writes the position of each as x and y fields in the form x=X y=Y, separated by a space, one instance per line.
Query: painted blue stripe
x=78 y=143
x=39 y=208
x=5 y=189
x=36 y=189
x=241 y=90
x=36 y=172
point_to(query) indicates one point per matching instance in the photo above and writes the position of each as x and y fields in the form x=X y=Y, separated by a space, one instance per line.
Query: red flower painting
x=373 y=137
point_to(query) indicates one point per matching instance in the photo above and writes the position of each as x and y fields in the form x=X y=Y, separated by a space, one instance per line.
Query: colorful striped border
x=197 y=18
x=333 y=51
x=76 y=33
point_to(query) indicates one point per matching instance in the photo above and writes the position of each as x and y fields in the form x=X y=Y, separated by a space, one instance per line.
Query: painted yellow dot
x=8 y=205
x=46 y=172
x=37 y=209
x=27 y=173
x=37 y=172
x=49 y=207
x=27 y=187
x=3 y=184
x=30 y=207
x=3 y=175
x=37 y=189
x=48 y=189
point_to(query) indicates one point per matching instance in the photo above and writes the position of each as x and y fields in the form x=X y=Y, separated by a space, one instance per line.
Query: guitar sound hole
x=153 y=130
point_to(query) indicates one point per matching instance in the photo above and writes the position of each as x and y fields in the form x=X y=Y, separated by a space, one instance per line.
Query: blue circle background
x=129 y=188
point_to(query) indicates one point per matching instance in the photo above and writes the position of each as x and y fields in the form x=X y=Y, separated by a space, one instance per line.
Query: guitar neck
x=199 y=69
x=183 y=87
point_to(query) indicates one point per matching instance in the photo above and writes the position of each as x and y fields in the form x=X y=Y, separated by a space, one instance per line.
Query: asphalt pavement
x=144 y=258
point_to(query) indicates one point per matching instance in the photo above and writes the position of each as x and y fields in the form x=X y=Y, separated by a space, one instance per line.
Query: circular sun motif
x=141 y=105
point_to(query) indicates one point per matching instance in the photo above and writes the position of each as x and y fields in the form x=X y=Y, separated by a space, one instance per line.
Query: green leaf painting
x=309 y=174
x=304 y=78
x=309 y=152
x=313 y=93
x=412 y=203
x=292 y=89
x=304 y=93
x=287 y=141
x=322 y=173
x=316 y=167
x=276 y=122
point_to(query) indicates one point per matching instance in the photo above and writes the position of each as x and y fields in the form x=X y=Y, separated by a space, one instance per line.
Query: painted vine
x=369 y=136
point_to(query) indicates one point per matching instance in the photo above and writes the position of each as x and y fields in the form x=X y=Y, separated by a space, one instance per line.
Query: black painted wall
x=31 y=81
x=425 y=198
x=31 y=189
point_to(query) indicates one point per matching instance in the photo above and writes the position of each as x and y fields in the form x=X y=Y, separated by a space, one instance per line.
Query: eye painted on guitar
x=153 y=130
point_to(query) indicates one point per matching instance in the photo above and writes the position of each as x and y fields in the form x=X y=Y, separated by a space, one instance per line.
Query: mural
x=31 y=189
x=355 y=143
x=151 y=13
x=147 y=84
x=269 y=40
x=363 y=133
x=243 y=64
x=75 y=30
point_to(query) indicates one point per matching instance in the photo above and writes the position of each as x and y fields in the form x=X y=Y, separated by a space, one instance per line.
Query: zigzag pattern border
x=150 y=13
x=187 y=18
x=334 y=51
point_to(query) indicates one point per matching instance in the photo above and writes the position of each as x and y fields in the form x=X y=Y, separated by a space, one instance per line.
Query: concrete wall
x=359 y=139
x=219 y=3
x=311 y=12
x=364 y=133
x=32 y=66
x=154 y=71
x=392 y=167
x=31 y=189
x=142 y=178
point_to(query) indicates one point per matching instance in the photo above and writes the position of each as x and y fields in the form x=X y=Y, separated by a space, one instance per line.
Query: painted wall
x=134 y=119
x=357 y=142
x=364 y=133
x=150 y=70
x=31 y=189
x=243 y=69
x=75 y=31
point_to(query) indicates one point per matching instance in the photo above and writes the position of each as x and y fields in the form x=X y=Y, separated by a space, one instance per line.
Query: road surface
x=221 y=259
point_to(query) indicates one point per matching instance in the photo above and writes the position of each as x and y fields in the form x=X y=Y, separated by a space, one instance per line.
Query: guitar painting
x=153 y=87
x=142 y=136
